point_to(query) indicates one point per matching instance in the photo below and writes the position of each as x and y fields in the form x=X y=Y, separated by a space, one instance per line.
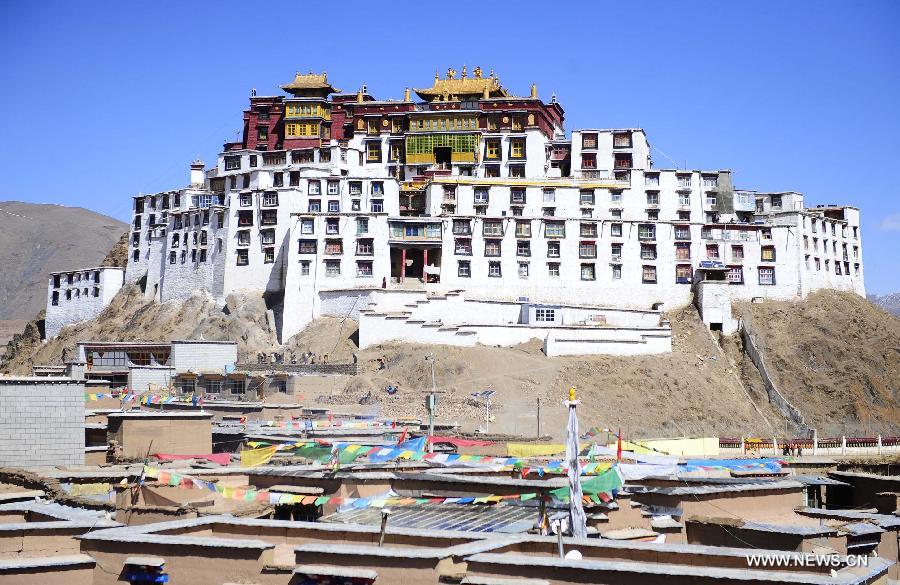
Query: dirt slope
x=38 y=239
x=836 y=357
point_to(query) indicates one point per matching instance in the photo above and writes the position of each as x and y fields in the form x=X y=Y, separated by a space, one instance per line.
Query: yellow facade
x=307 y=110
x=301 y=129
x=443 y=123
x=686 y=447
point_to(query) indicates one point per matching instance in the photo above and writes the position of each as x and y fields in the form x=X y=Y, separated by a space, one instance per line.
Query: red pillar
x=424 y=264
x=403 y=265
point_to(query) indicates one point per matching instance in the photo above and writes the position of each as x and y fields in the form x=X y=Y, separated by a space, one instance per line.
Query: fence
x=814 y=446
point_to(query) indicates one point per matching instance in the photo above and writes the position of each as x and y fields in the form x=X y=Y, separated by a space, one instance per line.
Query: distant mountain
x=38 y=239
x=889 y=302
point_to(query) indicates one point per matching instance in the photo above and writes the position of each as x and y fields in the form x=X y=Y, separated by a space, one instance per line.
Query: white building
x=477 y=191
x=79 y=295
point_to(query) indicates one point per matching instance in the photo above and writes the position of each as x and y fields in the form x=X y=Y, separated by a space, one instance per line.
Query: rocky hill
x=38 y=239
x=834 y=355
x=889 y=302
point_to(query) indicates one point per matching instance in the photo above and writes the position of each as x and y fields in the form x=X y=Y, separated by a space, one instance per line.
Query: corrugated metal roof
x=500 y=518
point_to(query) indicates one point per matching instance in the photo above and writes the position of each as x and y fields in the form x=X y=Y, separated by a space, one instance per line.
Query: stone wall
x=41 y=422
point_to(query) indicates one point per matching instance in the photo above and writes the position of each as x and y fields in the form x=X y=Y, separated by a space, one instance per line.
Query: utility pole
x=431 y=403
x=539 y=417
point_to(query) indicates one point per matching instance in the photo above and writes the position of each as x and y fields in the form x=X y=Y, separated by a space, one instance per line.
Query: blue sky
x=105 y=100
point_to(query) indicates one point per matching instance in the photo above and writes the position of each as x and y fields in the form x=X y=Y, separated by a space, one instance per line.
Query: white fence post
x=843 y=445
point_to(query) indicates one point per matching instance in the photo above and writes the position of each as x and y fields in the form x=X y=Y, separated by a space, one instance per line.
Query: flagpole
x=577 y=518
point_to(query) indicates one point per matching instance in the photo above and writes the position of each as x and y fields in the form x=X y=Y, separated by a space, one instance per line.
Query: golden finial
x=572 y=394
x=359 y=96
x=485 y=94
x=406 y=96
x=451 y=73
x=492 y=73
x=534 y=90
x=464 y=74
x=325 y=76
x=477 y=72
x=436 y=75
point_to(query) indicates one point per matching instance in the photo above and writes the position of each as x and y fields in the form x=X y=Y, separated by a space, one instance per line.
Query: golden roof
x=454 y=88
x=309 y=81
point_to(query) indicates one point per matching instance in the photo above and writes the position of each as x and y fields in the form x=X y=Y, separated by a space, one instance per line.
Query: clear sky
x=102 y=100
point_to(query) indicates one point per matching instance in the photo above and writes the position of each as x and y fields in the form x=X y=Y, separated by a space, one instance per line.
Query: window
x=278 y=180
x=616 y=271
x=711 y=199
x=492 y=228
x=523 y=270
x=549 y=211
x=362 y=225
x=553 y=269
x=523 y=229
x=463 y=247
x=587 y=272
x=682 y=251
x=245 y=218
x=172 y=257
x=587 y=249
x=586 y=196
x=552 y=249
x=710 y=181
x=735 y=275
x=653 y=214
x=492 y=149
x=684 y=215
x=517 y=196
x=373 y=152
x=332 y=226
x=549 y=195
x=684 y=199
x=523 y=248
x=334 y=206
x=682 y=232
x=494 y=270
x=554 y=229
x=314 y=188
x=231 y=163
x=307 y=247
x=646 y=231
x=481 y=196
x=267 y=237
x=304 y=268
x=246 y=200
x=463 y=269
x=766 y=276
x=492 y=247
x=377 y=206
x=462 y=227
x=767 y=254
x=615 y=230
x=616 y=251
x=270 y=200
x=307 y=226
x=712 y=251
x=364 y=268
x=491 y=171
x=588 y=230
x=776 y=201
x=737 y=253
x=652 y=198
x=648 y=251
x=237 y=386
x=356 y=187
x=684 y=181
x=332 y=268
x=589 y=160
x=683 y=274
x=705 y=233
x=365 y=247
x=517 y=148
x=243 y=237
x=588 y=141
x=220 y=219
x=615 y=197
x=268 y=255
x=243 y=257
x=268 y=217
x=648 y=275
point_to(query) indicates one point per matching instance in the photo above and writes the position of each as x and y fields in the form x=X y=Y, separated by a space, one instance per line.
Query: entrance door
x=442 y=156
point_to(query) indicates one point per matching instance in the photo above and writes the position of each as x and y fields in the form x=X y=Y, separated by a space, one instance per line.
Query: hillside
x=890 y=302
x=835 y=354
x=836 y=357
x=38 y=239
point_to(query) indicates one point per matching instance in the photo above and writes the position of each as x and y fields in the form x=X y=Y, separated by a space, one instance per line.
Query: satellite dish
x=573 y=555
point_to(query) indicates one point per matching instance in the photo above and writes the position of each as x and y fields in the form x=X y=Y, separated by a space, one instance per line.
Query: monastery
x=464 y=214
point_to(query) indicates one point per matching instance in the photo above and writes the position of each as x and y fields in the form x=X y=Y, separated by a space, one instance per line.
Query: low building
x=41 y=422
x=180 y=433
x=79 y=295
